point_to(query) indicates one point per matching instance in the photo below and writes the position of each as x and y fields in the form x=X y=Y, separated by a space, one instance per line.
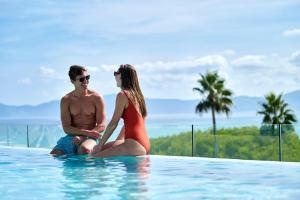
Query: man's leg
x=86 y=146
x=64 y=146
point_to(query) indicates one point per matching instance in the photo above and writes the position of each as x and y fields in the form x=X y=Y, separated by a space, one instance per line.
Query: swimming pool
x=34 y=174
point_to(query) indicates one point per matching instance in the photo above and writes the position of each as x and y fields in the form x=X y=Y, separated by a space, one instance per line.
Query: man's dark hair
x=76 y=70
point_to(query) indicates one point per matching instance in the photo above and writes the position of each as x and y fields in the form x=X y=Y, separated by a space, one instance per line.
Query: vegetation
x=215 y=98
x=236 y=143
x=275 y=111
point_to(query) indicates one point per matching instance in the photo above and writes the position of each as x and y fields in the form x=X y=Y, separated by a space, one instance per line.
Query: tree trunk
x=216 y=150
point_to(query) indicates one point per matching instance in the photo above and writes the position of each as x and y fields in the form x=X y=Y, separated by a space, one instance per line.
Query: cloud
x=175 y=77
x=25 y=81
x=295 y=58
x=46 y=71
x=249 y=61
x=201 y=64
x=291 y=32
x=93 y=69
x=187 y=65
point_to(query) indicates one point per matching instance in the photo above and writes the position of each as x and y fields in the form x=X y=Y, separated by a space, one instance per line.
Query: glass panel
x=44 y=136
x=170 y=139
x=290 y=143
x=14 y=135
x=3 y=135
x=248 y=143
x=204 y=142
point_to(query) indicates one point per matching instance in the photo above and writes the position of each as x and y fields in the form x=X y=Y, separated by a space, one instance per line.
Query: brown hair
x=76 y=70
x=130 y=82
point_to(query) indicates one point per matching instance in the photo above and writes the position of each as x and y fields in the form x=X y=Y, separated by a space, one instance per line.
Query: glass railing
x=40 y=136
x=266 y=142
x=290 y=143
x=170 y=139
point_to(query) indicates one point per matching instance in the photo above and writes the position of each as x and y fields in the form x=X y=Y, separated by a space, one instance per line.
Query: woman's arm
x=121 y=134
x=121 y=102
x=100 y=114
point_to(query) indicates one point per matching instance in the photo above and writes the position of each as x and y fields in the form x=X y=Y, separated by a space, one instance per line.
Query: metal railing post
x=7 y=136
x=279 y=143
x=193 y=140
x=27 y=135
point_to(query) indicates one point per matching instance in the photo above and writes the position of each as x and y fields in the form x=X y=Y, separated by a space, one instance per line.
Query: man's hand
x=78 y=139
x=94 y=134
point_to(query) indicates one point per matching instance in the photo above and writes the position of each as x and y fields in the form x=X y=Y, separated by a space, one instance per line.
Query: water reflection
x=117 y=177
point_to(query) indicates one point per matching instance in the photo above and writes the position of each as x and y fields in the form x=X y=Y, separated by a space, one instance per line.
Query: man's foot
x=56 y=152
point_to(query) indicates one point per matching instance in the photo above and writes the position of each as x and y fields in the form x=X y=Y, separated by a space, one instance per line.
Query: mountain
x=50 y=110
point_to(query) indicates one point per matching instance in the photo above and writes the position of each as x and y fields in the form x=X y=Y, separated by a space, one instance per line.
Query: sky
x=254 y=46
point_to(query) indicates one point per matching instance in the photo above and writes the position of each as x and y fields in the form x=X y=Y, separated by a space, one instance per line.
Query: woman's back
x=135 y=124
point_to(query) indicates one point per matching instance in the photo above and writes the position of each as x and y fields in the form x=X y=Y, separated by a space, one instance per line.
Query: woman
x=130 y=105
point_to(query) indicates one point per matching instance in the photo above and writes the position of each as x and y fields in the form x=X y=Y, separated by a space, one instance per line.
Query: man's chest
x=82 y=106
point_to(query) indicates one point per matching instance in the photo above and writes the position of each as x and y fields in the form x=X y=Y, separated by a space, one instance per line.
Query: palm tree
x=215 y=98
x=275 y=111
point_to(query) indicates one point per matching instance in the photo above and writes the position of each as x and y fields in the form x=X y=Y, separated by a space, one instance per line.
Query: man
x=82 y=116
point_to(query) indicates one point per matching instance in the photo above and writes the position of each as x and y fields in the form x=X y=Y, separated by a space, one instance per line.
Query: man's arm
x=100 y=115
x=66 y=121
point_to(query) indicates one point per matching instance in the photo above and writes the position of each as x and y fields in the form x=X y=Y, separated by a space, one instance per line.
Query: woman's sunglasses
x=84 y=78
x=116 y=73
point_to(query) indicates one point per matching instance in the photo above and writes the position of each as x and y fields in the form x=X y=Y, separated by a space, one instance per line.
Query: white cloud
x=92 y=69
x=201 y=64
x=25 y=81
x=167 y=78
x=46 y=71
x=291 y=32
x=295 y=58
x=188 y=65
x=249 y=61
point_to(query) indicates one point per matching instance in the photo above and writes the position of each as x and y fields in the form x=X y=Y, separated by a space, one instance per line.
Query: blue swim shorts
x=66 y=145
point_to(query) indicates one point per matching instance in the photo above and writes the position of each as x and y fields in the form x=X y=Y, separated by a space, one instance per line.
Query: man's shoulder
x=66 y=97
x=94 y=93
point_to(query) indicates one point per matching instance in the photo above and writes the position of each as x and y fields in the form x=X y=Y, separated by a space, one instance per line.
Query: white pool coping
x=185 y=157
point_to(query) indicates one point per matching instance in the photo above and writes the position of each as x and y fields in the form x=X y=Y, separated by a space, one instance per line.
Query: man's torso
x=83 y=110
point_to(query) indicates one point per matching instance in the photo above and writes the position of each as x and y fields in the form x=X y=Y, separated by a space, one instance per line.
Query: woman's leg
x=113 y=143
x=129 y=147
x=120 y=139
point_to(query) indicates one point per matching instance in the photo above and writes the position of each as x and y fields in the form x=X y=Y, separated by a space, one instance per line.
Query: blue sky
x=254 y=45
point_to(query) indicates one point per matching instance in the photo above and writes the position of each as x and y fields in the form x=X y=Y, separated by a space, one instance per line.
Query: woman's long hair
x=130 y=82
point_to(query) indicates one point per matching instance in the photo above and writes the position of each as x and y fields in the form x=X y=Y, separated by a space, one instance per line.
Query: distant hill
x=155 y=106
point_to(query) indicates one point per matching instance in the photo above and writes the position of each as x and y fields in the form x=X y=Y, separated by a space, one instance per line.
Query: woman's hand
x=97 y=149
x=78 y=139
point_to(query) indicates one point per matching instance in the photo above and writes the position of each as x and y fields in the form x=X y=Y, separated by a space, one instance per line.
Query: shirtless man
x=82 y=116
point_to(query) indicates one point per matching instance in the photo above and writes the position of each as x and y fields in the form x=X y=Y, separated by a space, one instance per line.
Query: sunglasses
x=84 y=78
x=116 y=73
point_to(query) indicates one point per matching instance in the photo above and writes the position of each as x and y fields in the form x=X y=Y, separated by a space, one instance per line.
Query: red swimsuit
x=135 y=126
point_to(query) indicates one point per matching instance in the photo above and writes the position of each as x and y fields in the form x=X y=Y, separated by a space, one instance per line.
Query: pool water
x=34 y=174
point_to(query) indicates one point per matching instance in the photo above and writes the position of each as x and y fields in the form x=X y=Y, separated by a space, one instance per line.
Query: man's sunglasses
x=84 y=78
x=116 y=73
